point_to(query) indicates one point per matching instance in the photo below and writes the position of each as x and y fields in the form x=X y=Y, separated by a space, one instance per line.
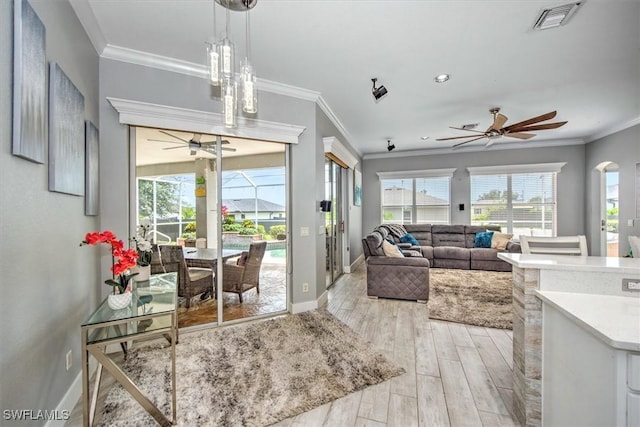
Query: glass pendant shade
x=213 y=64
x=249 y=88
x=229 y=103
x=226 y=51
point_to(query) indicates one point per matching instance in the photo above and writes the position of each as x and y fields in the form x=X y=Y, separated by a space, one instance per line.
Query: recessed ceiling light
x=441 y=78
x=424 y=138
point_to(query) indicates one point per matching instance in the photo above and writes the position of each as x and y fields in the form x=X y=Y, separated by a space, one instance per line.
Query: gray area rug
x=474 y=297
x=251 y=375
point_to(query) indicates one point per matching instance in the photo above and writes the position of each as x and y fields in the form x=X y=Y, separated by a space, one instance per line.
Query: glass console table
x=151 y=314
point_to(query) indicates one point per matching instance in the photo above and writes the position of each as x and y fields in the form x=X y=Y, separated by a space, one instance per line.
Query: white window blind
x=520 y=203
x=416 y=200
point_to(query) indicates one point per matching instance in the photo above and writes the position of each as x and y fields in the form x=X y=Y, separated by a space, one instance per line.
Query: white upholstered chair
x=562 y=245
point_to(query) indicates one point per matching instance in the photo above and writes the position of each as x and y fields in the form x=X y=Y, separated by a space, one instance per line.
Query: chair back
x=563 y=245
x=173 y=260
x=254 y=262
x=156 y=262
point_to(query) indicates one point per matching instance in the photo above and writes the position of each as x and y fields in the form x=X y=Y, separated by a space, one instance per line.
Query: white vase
x=144 y=271
x=119 y=301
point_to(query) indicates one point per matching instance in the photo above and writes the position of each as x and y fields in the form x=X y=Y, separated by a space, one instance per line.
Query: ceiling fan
x=194 y=144
x=496 y=130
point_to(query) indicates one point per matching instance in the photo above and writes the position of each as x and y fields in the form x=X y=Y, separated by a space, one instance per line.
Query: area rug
x=252 y=374
x=473 y=297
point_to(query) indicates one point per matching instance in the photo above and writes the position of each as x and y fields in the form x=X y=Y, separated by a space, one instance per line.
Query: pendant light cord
x=248 y=35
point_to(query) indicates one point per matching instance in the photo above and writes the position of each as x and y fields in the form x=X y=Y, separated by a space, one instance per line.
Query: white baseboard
x=350 y=268
x=71 y=397
x=309 y=305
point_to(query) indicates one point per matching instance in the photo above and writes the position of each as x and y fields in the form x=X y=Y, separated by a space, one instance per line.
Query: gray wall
x=48 y=284
x=622 y=148
x=571 y=186
x=325 y=128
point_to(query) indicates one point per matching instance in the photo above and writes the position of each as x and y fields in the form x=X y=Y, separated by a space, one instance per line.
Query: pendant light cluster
x=221 y=61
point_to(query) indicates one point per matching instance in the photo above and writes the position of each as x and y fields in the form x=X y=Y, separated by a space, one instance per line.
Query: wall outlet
x=631 y=285
x=630 y=223
x=305 y=287
x=69 y=359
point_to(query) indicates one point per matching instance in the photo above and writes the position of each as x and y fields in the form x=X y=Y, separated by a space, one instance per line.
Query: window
x=418 y=197
x=520 y=203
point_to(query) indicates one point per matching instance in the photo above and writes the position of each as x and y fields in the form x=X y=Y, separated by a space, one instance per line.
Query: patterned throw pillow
x=483 y=239
x=390 y=250
x=500 y=240
x=408 y=238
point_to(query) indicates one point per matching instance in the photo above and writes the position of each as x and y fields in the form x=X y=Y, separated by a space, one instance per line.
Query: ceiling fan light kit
x=221 y=66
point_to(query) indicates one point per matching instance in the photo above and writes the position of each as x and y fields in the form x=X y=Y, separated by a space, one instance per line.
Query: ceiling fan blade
x=532 y=120
x=498 y=122
x=228 y=149
x=172 y=148
x=173 y=136
x=460 y=137
x=468 y=130
x=540 y=127
x=519 y=135
x=166 y=142
x=466 y=142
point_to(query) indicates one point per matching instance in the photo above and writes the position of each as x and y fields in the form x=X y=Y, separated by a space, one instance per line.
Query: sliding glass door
x=224 y=200
x=334 y=222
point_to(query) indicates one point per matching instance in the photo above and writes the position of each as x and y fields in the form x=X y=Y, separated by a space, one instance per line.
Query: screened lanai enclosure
x=223 y=201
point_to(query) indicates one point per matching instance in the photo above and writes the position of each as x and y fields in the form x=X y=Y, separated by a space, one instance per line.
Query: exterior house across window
x=416 y=197
x=521 y=199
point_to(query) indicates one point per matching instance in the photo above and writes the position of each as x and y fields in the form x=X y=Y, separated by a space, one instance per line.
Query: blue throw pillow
x=408 y=238
x=483 y=239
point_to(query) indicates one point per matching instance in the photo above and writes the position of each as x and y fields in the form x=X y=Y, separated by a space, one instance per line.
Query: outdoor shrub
x=261 y=229
x=247 y=223
x=190 y=228
x=248 y=231
x=189 y=235
x=229 y=219
x=278 y=229
x=231 y=227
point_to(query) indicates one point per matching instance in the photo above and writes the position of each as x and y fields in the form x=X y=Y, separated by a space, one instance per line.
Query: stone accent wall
x=527 y=347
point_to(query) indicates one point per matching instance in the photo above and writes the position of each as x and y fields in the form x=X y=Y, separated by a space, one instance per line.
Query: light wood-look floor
x=457 y=375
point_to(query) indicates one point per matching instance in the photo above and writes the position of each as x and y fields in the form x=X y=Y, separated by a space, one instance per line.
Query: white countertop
x=573 y=263
x=612 y=319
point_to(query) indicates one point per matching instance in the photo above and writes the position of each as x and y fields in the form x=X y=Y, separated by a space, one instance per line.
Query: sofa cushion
x=483 y=239
x=451 y=252
x=500 y=240
x=448 y=235
x=374 y=243
x=427 y=251
x=391 y=250
x=421 y=232
x=482 y=254
x=408 y=238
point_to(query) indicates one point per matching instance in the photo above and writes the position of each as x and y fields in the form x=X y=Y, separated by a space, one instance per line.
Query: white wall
x=571 y=186
x=622 y=148
x=48 y=284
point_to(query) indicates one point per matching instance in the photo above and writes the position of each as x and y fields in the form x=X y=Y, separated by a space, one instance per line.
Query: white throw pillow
x=500 y=240
x=391 y=250
x=634 y=241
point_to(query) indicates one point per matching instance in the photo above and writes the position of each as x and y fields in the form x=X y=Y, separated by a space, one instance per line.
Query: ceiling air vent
x=555 y=17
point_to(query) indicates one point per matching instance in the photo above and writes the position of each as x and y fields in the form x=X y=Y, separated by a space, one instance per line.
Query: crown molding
x=613 y=129
x=494 y=147
x=154 y=115
x=334 y=146
x=336 y=122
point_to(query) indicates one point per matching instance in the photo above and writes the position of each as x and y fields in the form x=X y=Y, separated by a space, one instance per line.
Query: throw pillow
x=634 y=241
x=408 y=238
x=390 y=250
x=483 y=239
x=242 y=260
x=500 y=240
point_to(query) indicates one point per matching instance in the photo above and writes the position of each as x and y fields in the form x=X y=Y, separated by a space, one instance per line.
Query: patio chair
x=192 y=281
x=240 y=278
x=156 y=262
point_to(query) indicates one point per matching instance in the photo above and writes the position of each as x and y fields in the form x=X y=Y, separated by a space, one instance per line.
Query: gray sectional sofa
x=443 y=246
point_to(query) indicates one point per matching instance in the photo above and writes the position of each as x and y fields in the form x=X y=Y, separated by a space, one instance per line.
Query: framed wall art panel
x=29 y=139
x=91 y=174
x=357 y=188
x=66 y=134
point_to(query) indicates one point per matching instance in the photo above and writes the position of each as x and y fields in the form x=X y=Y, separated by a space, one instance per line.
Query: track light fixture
x=378 y=92
x=390 y=146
